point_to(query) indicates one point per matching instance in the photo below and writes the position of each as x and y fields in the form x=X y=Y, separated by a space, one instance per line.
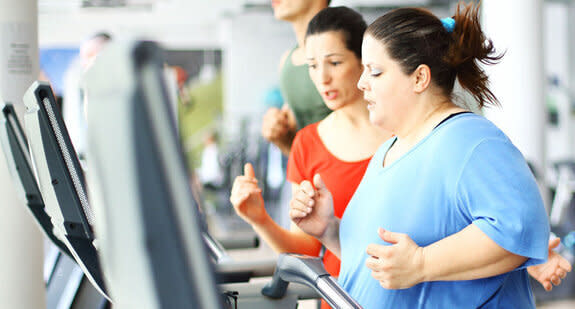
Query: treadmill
x=15 y=148
x=66 y=286
x=61 y=180
x=152 y=241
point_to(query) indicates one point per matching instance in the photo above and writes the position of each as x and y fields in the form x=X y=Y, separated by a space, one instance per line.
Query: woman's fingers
x=302 y=201
x=239 y=198
x=374 y=263
x=296 y=214
x=242 y=189
x=377 y=251
x=243 y=183
x=300 y=208
x=564 y=266
x=245 y=179
x=307 y=188
x=555 y=280
x=561 y=273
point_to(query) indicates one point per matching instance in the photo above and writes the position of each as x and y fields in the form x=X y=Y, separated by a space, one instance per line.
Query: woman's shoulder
x=309 y=131
x=306 y=136
x=470 y=128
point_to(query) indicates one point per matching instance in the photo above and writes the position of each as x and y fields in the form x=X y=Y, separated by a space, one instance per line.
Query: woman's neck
x=355 y=113
x=421 y=123
x=350 y=125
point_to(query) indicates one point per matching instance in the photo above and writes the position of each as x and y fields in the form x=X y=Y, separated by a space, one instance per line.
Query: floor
x=563 y=304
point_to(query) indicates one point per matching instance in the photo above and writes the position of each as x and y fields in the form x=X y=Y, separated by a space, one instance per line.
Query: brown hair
x=414 y=36
x=341 y=19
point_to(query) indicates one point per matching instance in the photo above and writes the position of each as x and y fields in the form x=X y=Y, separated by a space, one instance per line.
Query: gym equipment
x=61 y=180
x=66 y=286
x=152 y=242
x=564 y=192
x=15 y=146
x=309 y=271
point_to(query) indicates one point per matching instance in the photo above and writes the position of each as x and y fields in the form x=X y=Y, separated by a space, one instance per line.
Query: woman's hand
x=311 y=208
x=246 y=197
x=397 y=266
x=551 y=272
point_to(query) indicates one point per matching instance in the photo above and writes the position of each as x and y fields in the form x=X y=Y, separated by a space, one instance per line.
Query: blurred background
x=222 y=65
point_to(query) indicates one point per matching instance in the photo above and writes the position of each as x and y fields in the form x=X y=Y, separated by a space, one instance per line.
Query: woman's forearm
x=330 y=238
x=283 y=241
x=467 y=255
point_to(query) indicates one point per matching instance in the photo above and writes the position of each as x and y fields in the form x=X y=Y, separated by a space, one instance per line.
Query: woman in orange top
x=339 y=146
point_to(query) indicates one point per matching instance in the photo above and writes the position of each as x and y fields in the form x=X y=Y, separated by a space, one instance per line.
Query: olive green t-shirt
x=300 y=93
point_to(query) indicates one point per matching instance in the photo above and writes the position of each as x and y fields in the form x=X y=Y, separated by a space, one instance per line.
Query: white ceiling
x=187 y=22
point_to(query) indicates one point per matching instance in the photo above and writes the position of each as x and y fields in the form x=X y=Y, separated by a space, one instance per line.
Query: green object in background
x=199 y=110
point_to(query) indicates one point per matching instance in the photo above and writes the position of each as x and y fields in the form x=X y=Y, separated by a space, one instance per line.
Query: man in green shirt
x=303 y=104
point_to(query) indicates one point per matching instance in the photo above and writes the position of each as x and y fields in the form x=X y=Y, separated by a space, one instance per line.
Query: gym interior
x=112 y=108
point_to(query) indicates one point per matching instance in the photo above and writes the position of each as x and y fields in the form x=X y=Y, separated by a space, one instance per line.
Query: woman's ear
x=422 y=78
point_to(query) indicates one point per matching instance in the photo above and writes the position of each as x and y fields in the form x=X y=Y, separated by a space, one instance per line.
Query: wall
x=253 y=43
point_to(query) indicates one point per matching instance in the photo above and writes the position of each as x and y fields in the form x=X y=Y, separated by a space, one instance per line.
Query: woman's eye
x=311 y=65
x=374 y=73
x=335 y=63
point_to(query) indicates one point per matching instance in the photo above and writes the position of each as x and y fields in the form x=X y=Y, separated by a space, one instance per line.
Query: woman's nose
x=361 y=83
x=325 y=76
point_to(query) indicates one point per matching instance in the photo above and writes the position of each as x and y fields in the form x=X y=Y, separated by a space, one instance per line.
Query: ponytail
x=451 y=48
x=468 y=48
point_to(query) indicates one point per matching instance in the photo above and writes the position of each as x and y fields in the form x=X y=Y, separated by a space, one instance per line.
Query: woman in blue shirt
x=448 y=214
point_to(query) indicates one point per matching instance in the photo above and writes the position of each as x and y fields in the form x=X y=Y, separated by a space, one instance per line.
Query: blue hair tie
x=448 y=24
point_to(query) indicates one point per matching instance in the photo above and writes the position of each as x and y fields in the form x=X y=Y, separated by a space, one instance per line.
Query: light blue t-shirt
x=465 y=171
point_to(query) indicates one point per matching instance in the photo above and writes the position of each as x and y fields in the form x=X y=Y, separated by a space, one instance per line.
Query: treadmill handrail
x=309 y=271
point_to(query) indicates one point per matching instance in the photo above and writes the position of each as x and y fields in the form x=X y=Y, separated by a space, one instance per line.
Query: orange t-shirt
x=308 y=157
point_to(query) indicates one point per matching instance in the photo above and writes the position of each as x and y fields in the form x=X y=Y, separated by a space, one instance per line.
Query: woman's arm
x=249 y=205
x=466 y=255
x=287 y=241
x=311 y=209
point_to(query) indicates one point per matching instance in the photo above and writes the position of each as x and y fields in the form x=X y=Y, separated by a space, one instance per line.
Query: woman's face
x=333 y=69
x=386 y=88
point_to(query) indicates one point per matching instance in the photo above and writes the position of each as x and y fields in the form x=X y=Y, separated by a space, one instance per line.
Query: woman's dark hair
x=341 y=19
x=415 y=36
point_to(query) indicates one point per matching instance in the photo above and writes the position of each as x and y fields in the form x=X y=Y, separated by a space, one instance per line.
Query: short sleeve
x=296 y=160
x=498 y=193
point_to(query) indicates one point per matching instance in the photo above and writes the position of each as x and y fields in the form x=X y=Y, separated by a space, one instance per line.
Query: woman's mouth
x=330 y=95
x=370 y=104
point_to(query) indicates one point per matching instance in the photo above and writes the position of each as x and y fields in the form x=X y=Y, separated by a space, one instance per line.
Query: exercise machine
x=61 y=180
x=152 y=243
x=66 y=285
